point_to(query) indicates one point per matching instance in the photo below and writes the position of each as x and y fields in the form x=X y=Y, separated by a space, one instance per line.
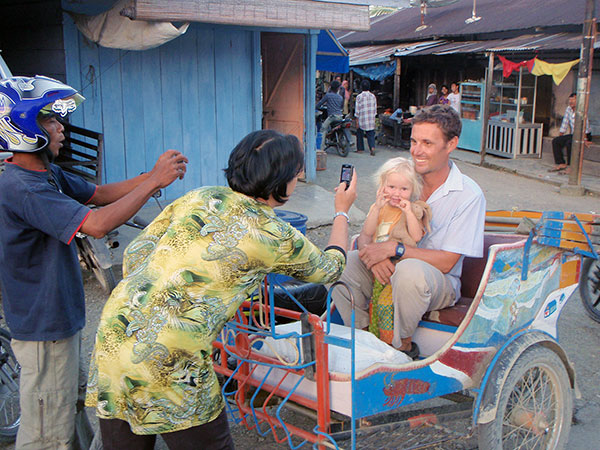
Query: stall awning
x=331 y=56
x=376 y=72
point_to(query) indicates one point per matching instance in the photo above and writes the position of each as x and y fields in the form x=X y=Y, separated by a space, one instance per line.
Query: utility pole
x=583 y=92
x=485 y=114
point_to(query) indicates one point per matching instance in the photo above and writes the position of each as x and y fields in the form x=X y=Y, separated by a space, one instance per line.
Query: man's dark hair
x=335 y=85
x=443 y=116
x=574 y=94
x=365 y=85
x=263 y=163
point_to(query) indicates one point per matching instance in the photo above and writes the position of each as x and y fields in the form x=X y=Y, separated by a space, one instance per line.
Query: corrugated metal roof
x=371 y=54
x=530 y=42
x=496 y=16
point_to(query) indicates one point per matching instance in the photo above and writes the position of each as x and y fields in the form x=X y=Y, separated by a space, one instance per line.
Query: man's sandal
x=414 y=352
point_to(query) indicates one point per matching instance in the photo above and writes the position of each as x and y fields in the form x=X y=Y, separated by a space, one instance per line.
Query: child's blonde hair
x=404 y=167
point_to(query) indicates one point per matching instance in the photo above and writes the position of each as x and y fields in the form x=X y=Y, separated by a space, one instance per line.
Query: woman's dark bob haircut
x=263 y=163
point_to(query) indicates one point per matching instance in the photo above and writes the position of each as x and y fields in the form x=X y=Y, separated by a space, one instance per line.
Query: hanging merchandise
x=509 y=66
x=558 y=71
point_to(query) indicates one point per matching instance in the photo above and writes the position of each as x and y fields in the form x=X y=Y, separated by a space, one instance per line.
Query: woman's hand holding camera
x=344 y=198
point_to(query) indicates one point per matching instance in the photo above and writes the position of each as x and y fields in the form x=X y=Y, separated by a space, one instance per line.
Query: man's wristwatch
x=400 y=249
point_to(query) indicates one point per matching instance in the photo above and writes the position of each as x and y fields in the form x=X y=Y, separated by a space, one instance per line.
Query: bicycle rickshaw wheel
x=10 y=410
x=589 y=287
x=535 y=405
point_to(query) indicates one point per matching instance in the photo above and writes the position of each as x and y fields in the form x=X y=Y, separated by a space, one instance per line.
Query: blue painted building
x=233 y=71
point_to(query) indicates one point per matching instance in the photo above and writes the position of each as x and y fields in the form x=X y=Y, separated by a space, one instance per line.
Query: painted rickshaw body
x=498 y=345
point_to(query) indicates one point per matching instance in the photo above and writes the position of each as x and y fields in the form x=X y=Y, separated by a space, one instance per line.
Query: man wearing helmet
x=41 y=210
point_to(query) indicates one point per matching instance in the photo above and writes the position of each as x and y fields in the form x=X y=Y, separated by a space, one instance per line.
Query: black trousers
x=566 y=140
x=360 y=143
x=557 y=146
x=215 y=435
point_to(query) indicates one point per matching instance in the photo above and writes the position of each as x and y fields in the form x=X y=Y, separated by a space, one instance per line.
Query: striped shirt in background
x=366 y=109
x=568 y=122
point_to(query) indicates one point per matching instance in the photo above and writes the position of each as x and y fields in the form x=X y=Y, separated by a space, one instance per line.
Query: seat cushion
x=453 y=315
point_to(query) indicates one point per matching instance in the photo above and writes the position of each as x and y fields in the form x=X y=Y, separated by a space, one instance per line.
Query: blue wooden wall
x=199 y=93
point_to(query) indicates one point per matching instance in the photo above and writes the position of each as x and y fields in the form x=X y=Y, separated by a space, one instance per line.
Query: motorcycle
x=338 y=135
x=96 y=255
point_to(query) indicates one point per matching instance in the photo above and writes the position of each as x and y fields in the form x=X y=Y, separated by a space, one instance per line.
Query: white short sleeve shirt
x=458 y=221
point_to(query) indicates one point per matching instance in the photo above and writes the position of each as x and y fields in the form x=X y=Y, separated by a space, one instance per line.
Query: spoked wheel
x=535 y=406
x=10 y=411
x=342 y=144
x=589 y=287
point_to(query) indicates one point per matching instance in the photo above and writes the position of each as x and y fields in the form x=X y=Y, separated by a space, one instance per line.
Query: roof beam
x=261 y=13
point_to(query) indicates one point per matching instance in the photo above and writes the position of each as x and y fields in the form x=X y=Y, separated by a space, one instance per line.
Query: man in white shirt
x=566 y=140
x=454 y=97
x=425 y=277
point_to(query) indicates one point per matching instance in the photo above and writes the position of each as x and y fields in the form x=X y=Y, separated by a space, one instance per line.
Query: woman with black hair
x=184 y=277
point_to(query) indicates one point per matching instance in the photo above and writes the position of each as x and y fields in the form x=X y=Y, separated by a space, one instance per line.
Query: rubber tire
x=589 y=287
x=490 y=435
x=343 y=145
x=8 y=432
x=105 y=277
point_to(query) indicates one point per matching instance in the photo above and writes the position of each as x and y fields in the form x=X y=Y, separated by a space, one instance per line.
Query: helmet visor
x=63 y=106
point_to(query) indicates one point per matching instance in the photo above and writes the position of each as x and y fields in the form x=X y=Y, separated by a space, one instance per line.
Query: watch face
x=400 y=250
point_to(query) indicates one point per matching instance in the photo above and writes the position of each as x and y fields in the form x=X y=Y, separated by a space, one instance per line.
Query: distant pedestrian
x=365 y=110
x=345 y=95
x=432 y=97
x=454 y=97
x=566 y=140
x=334 y=103
x=443 y=98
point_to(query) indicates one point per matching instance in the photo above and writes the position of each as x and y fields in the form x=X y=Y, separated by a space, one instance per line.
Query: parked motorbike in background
x=339 y=132
x=96 y=255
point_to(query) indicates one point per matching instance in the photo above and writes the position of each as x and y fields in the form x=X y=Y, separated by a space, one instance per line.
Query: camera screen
x=346 y=174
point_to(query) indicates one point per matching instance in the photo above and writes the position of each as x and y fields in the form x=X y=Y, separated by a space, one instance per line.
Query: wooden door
x=283 y=82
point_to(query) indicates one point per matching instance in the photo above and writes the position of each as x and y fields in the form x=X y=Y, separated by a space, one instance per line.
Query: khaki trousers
x=417 y=287
x=48 y=392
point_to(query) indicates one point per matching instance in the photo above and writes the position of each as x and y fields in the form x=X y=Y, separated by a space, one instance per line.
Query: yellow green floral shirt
x=185 y=275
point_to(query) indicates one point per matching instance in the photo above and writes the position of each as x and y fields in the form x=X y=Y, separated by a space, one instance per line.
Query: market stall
x=511 y=128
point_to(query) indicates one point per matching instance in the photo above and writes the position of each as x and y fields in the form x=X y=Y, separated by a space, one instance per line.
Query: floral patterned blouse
x=185 y=275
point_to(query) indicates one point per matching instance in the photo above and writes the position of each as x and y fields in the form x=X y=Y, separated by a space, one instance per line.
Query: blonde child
x=399 y=187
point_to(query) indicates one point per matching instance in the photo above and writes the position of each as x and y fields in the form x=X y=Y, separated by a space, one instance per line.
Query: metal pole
x=583 y=91
x=397 y=73
x=487 y=90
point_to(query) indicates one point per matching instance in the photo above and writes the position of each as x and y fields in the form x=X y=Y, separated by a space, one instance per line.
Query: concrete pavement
x=316 y=199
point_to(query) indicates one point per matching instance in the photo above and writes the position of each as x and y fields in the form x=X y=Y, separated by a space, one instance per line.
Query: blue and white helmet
x=23 y=100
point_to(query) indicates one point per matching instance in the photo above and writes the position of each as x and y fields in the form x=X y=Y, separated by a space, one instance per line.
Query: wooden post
x=583 y=92
x=397 y=83
x=486 y=105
